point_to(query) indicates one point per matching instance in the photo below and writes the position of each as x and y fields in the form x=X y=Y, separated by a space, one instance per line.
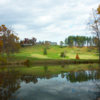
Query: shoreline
x=51 y=62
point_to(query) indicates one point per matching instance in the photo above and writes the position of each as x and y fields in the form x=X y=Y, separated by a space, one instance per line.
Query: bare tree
x=95 y=26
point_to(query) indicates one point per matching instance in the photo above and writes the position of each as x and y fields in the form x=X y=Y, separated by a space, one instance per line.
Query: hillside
x=36 y=52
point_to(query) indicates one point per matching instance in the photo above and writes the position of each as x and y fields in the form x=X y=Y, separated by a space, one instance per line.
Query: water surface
x=74 y=85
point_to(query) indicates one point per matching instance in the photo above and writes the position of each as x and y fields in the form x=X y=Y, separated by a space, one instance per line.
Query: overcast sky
x=52 y=20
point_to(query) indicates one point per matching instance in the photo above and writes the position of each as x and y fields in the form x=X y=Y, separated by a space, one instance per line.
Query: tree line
x=80 y=41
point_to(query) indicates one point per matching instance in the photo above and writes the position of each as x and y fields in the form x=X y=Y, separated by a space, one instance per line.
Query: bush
x=62 y=54
x=89 y=50
x=45 y=51
x=77 y=56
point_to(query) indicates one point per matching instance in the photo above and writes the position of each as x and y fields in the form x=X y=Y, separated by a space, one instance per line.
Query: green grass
x=36 y=52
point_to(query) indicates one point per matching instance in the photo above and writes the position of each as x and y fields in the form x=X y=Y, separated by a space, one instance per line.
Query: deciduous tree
x=9 y=42
x=95 y=25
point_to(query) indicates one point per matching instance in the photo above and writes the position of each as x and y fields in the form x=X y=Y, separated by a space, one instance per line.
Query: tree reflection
x=10 y=80
x=97 y=84
x=29 y=78
x=45 y=69
x=82 y=76
x=62 y=75
x=9 y=83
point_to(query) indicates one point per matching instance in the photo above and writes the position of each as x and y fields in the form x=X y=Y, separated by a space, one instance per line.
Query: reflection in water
x=45 y=69
x=9 y=83
x=28 y=79
x=63 y=86
x=82 y=76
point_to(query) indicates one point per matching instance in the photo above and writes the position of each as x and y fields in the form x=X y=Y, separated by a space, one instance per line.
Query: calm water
x=81 y=85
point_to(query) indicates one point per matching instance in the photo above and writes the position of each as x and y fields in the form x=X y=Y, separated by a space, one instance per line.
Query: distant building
x=51 y=43
x=40 y=42
x=26 y=44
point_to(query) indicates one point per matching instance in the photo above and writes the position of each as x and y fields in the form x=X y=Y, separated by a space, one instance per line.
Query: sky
x=52 y=20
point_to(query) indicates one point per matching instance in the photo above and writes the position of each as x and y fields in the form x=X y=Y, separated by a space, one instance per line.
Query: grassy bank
x=50 y=62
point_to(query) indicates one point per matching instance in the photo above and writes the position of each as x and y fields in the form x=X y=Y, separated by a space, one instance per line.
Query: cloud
x=56 y=89
x=47 y=19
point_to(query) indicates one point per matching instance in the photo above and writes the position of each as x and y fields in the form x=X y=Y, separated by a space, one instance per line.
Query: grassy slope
x=36 y=52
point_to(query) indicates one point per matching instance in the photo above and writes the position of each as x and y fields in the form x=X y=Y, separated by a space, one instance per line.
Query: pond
x=49 y=83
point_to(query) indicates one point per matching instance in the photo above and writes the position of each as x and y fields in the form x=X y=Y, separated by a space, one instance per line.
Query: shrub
x=89 y=50
x=45 y=51
x=77 y=56
x=62 y=54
